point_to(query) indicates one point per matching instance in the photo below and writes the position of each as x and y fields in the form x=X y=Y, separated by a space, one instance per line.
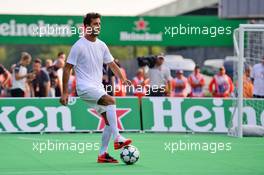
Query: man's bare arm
x=114 y=67
x=65 y=77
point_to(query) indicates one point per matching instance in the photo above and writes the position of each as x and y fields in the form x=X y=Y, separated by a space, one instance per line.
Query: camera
x=149 y=61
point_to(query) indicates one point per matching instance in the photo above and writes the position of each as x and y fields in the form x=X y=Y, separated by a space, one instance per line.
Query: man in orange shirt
x=221 y=85
x=139 y=82
x=247 y=83
x=196 y=81
x=179 y=85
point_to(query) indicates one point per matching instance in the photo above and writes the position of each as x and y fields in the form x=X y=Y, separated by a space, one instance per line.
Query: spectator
x=221 y=85
x=40 y=83
x=140 y=83
x=55 y=83
x=196 y=81
x=5 y=77
x=159 y=79
x=48 y=63
x=20 y=75
x=62 y=56
x=119 y=88
x=258 y=79
x=60 y=62
x=179 y=85
x=247 y=83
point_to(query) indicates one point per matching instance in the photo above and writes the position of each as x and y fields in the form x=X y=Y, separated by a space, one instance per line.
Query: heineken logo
x=200 y=115
x=47 y=115
x=120 y=113
x=141 y=25
x=31 y=119
x=158 y=114
x=140 y=32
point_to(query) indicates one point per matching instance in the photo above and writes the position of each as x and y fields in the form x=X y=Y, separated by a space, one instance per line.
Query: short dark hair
x=197 y=67
x=60 y=53
x=37 y=60
x=88 y=18
x=25 y=56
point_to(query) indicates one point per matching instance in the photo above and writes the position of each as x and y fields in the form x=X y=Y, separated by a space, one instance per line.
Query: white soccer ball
x=129 y=154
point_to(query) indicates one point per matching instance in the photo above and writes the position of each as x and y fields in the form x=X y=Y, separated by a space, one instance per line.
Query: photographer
x=159 y=78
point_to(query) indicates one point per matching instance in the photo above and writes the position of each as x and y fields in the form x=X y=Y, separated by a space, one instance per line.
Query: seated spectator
x=40 y=83
x=196 y=81
x=221 y=85
x=179 y=85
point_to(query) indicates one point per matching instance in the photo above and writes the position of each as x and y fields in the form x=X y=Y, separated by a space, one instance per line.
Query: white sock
x=105 y=139
x=112 y=119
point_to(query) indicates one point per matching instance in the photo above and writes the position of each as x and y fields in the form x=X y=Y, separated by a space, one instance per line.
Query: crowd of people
x=45 y=80
x=157 y=81
x=42 y=81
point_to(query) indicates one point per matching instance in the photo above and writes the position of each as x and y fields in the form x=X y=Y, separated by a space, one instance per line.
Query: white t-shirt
x=158 y=76
x=87 y=58
x=21 y=71
x=258 y=75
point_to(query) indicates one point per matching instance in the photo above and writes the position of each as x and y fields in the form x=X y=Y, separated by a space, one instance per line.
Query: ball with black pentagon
x=129 y=154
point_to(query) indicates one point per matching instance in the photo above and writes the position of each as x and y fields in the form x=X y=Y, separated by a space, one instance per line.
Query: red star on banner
x=141 y=25
x=120 y=113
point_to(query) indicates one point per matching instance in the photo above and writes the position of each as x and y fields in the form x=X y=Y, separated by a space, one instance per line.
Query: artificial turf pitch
x=245 y=157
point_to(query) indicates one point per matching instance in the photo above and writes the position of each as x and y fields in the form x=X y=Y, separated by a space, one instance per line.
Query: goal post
x=249 y=50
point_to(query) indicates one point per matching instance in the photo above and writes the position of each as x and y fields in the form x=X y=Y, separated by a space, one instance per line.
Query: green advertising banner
x=116 y=30
x=199 y=115
x=46 y=114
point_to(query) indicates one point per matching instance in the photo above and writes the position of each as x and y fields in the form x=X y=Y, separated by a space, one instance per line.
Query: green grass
x=245 y=157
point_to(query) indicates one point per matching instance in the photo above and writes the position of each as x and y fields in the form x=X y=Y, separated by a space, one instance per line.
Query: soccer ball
x=129 y=154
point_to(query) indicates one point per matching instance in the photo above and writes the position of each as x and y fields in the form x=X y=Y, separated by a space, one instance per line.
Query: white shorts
x=91 y=96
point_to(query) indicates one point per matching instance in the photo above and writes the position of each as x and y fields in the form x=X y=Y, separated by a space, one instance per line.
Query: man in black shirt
x=41 y=83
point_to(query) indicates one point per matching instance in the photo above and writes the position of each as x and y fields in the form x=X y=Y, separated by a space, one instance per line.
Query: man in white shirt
x=159 y=78
x=87 y=56
x=20 y=75
x=258 y=79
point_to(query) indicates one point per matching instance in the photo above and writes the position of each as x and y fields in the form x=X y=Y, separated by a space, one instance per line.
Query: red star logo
x=141 y=25
x=120 y=113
